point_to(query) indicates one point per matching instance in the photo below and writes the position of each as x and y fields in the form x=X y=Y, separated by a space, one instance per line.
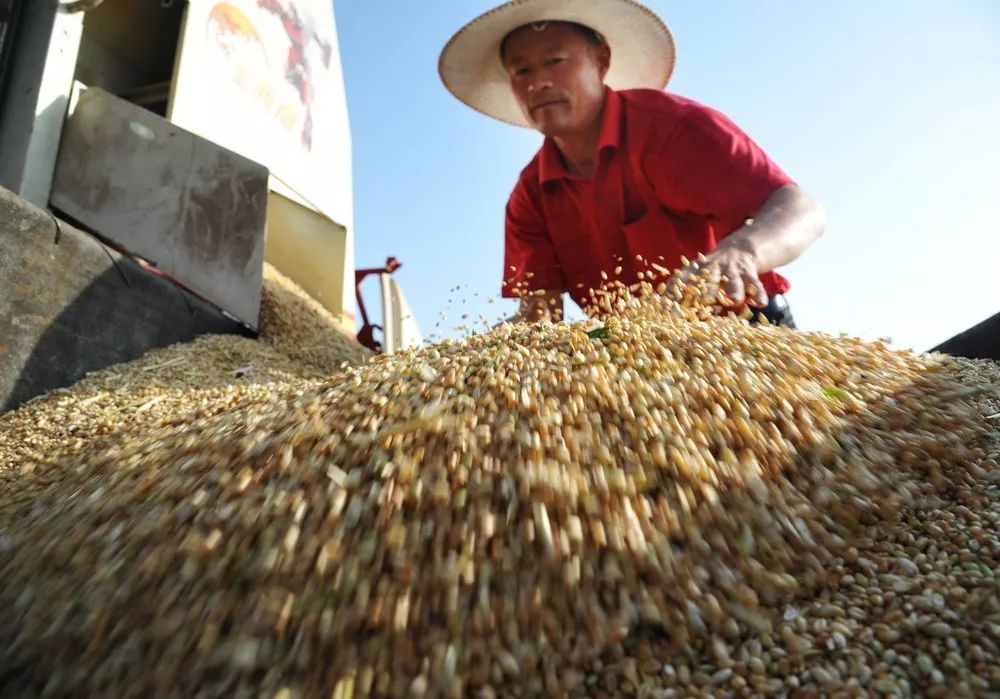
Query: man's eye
x=522 y=71
x=554 y=61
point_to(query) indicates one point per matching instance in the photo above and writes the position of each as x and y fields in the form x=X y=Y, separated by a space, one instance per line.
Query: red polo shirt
x=673 y=177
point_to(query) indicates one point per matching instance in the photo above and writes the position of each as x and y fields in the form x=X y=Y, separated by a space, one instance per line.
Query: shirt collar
x=550 y=164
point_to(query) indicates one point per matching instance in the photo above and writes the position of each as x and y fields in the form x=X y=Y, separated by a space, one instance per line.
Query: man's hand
x=786 y=225
x=725 y=277
x=735 y=271
x=543 y=305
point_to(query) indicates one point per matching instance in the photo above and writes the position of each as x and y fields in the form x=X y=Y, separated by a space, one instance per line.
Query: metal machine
x=189 y=141
x=981 y=341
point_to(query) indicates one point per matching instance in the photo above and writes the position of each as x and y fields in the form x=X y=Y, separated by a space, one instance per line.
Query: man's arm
x=728 y=177
x=788 y=223
x=533 y=274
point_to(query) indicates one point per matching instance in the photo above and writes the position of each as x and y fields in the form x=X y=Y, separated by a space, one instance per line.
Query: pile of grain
x=299 y=340
x=659 y=506
x=298 y=326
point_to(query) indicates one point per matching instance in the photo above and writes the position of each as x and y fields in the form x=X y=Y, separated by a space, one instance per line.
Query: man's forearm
x=787 y=224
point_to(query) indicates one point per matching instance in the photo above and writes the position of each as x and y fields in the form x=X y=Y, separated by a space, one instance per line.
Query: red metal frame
x=366 y=336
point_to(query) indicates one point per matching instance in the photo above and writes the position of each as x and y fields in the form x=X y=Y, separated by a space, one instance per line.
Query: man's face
x=557 y=75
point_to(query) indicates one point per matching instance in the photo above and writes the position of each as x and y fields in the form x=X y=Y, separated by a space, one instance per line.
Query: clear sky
x=886 y=111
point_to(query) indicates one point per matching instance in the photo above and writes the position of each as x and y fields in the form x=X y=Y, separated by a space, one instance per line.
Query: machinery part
x=400 y=331
x=366 y=336
x=981 y=341
x=71 y=6
x=39 y=55
x=70 y=305
x=7 y=21
x=191 y=208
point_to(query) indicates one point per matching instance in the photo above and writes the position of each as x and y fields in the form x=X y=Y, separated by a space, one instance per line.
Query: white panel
x=401 y=329
x=263 y=78
x=409 y=330
x=389 y=330
x=50 y=112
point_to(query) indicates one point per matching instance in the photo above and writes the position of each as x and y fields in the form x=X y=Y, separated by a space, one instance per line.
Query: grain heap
x=298 y=326
x=299 y=340
x=654 y=507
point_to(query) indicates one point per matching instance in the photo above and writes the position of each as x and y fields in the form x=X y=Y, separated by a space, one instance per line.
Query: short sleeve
x=530 y=261
x=712 y=168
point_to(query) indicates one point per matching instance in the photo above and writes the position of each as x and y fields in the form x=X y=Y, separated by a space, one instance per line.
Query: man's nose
x=538 y=84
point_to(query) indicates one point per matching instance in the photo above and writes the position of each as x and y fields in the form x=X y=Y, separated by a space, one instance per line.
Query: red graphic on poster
x=298 y=72
x=233 y=31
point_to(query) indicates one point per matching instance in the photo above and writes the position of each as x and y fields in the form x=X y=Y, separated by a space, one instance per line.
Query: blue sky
x=886 y=111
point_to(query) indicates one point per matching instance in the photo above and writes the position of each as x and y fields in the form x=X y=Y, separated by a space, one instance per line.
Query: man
x=630 y=180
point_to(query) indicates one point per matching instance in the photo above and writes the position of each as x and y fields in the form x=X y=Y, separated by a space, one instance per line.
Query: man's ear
x=604 y=58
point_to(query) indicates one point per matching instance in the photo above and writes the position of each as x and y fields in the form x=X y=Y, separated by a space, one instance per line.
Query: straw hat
x=642 y=49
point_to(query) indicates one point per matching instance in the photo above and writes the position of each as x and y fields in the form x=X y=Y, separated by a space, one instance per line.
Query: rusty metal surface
x=74 y=306
x=195 y=210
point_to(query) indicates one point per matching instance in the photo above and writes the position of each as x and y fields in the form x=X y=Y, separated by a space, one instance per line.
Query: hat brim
x=642 y=50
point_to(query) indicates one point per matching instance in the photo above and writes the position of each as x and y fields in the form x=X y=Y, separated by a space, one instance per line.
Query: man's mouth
x=546 y=103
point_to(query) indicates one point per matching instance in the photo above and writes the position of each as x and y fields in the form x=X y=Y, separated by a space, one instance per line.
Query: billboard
x=263 y=78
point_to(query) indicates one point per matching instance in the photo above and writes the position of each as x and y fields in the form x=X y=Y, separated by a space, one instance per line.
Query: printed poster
x=263 y=78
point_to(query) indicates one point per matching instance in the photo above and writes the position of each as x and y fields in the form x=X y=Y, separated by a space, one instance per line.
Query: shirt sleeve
x=530 y=262
x=712 y=168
